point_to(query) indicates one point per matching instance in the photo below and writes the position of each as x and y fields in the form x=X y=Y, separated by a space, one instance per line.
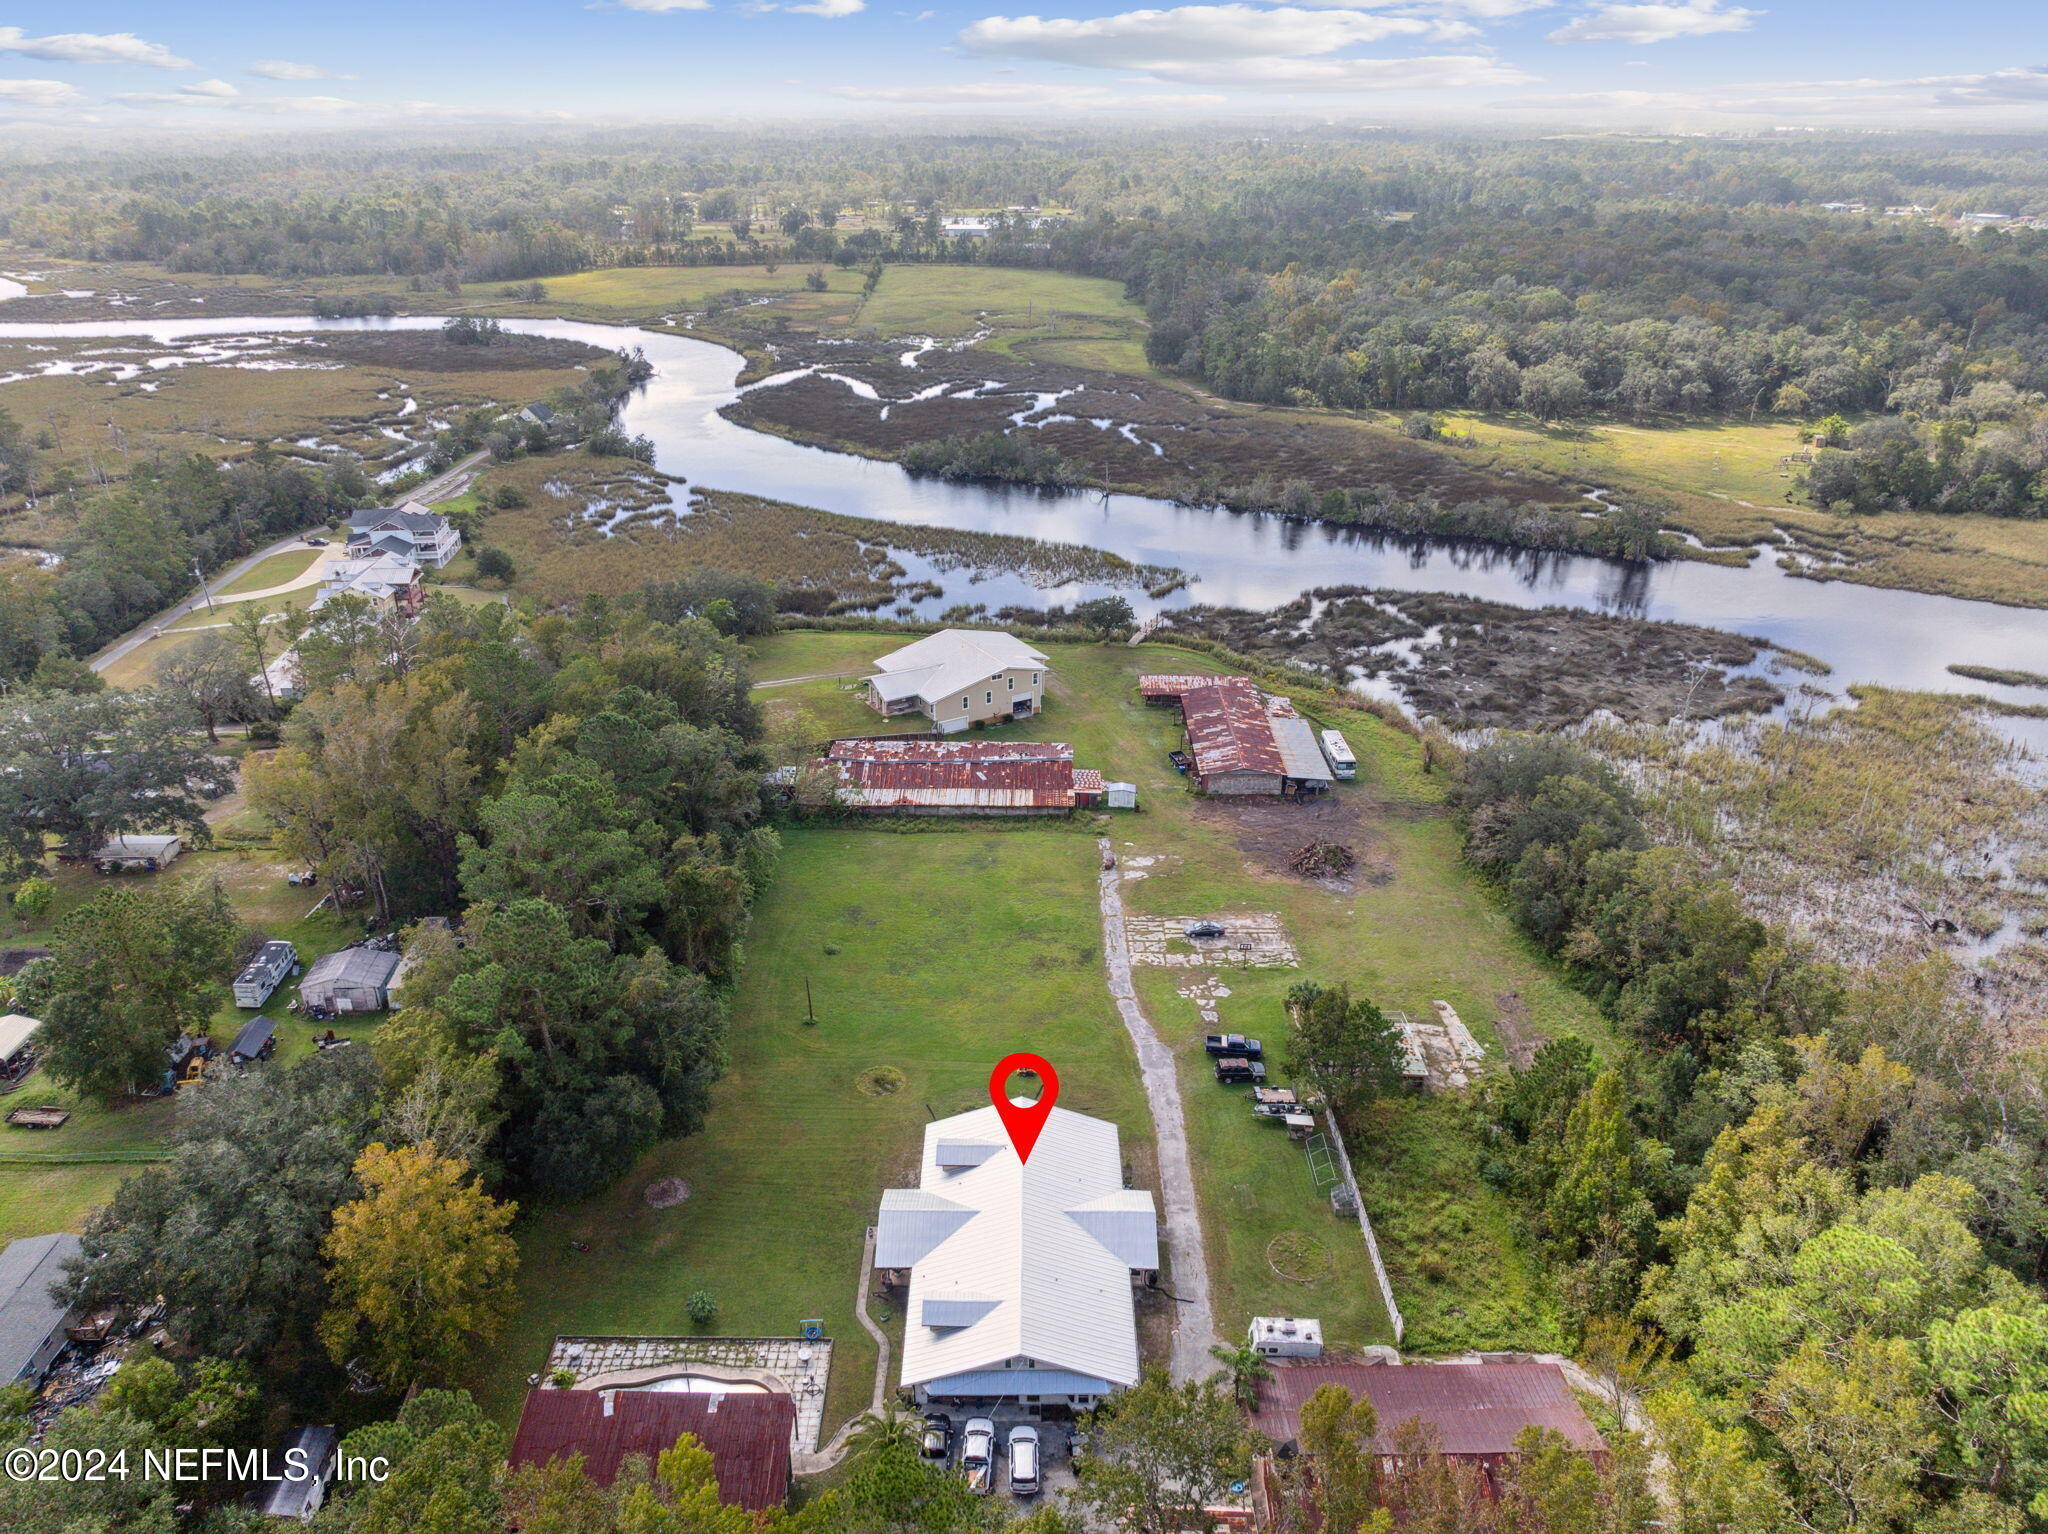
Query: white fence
x=1372 y=1245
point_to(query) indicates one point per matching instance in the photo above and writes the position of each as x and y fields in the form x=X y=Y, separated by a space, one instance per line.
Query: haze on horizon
x=98 y=70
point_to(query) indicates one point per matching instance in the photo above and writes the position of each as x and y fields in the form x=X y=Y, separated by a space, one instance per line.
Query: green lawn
x=951 y=300
x=650 y=290
x=929 y=954
x=274 y=571
x=1428 y=929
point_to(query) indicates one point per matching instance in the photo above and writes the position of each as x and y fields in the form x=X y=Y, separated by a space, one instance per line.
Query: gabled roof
x=1228 y=728
x=747 y=1434
x=411 y=517
x=881 y=773
x=256 y=1033
x=1040 y=1265
x=950 y=661
x=349 y=966
x=28 y=1314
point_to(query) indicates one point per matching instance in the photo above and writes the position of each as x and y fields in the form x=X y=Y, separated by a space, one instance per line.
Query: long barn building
x=922 y=775
x=1241 y=740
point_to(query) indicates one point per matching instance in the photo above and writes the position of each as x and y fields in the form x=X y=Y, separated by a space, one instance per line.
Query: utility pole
x=202 y=585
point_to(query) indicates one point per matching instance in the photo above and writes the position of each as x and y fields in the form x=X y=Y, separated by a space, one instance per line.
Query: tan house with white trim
x=961 y=677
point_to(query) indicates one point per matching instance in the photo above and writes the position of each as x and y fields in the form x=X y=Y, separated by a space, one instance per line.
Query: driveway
x=1194 y=1322
x=136 y=638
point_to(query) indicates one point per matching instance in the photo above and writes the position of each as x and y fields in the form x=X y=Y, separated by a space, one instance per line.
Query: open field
x=927 y=955
x=1417 y=927
x=1729 y=485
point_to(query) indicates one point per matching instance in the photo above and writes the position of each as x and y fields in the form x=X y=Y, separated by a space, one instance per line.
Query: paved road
x=442 y=487
x=138 y=637
x=1194 y=1322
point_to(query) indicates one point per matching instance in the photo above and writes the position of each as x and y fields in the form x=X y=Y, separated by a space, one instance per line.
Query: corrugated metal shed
x=250 y=1042
x=1476 y=1409
x=1163 y=687
x=361 y=976
x=924 y=748
x=747 y=1434
x=1229 y=729
x=1300 y=755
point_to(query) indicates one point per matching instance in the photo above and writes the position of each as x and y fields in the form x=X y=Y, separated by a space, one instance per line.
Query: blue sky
x=86 y=66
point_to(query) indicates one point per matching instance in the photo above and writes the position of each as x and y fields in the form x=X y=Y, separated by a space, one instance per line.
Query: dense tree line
x=1820 y=1189
x=134 y=546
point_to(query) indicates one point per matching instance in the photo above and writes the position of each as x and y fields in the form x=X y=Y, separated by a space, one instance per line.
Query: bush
x=993 y=455
x=701 y=1306
x=508 y=498
x=494 y=565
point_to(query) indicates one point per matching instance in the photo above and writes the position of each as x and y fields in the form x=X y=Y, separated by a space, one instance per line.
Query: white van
x=1023 y=1461
x=1342 y=763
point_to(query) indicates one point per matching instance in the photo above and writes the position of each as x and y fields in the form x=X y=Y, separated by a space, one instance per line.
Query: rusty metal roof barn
x=1162 y=687
x=921 y=775
x=747 y=1434
x=1229 y=729
x=1476 y=1409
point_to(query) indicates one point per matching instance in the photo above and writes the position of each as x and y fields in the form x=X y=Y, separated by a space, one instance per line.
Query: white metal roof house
x=382 y=578
x=959 y=677
x=1020 y=1273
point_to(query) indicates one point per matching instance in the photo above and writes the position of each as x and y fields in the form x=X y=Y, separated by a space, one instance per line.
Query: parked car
x=936 y=1441
x=1232 y=1044
x=1024 y=1461
x=1235 y=1068
x=316 y=543
x=1205 y=929
x=978 y=1455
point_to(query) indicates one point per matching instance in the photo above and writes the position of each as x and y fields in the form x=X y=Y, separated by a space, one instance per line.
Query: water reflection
x=1898 y=638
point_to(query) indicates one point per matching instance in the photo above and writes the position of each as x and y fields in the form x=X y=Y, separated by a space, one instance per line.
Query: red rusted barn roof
x=1008 y=785
x=1229 y=729
x=1171 y=685
x=1475 y=1409
x=924 y=748
x=748 y=1435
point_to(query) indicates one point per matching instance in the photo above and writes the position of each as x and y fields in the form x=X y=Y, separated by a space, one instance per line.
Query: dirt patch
x=1270 y=832
x=1519 y=1038
x=1302 y=1259
x=879 y=1081
x=1479 y=665
x=1255 y=940
x=665 y=1193
x=1138 y=435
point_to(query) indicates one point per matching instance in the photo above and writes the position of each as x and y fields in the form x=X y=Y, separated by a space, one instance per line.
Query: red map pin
x=1023 y=1120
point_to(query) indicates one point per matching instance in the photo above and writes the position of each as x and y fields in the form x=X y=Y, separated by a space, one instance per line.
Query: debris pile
x=1323 y=860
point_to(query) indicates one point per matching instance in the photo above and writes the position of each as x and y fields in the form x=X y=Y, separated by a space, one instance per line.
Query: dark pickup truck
x=1232 y=1044
x=1237 y=1068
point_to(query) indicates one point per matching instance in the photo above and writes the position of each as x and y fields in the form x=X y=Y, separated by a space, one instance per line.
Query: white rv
x=1342 y=763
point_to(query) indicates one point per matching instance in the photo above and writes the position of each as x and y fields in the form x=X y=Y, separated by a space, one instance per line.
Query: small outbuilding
x=307 y=1459
x=32 y=1321
x=17 y=1045
x=132 y=854
x=353 y=980
x=264 y=973
x=256 y=1041
x=1121 y=796
x=748 y=1435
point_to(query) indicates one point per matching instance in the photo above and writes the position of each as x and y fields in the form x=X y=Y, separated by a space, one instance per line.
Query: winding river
x=1901 y=639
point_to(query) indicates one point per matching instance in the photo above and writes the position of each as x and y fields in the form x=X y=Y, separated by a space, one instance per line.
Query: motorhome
x=1338 y=750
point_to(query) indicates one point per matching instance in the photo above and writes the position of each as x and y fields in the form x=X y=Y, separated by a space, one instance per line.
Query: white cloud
x=40 y=93
x=220 y=89
x=831 y=9
x=1348 y=75
x=659 y=7
x=1655 y=23
x=269 y=106
x=285 y=69
x=1016 y=93
x=91 y=48
x=1186 y=34
x=2027 y=83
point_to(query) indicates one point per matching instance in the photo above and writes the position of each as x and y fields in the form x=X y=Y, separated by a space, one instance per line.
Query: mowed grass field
x=928 y=956
x=1421 y=928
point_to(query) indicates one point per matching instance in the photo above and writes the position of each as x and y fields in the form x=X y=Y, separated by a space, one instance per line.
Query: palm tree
x=890 y=1429
x=1248 y=1368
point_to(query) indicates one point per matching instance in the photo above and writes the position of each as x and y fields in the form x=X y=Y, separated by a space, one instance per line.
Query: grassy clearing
x=1461 y=1271
x=645 y=291
x=274 y=571
x=931 y=953
x=953 y=301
